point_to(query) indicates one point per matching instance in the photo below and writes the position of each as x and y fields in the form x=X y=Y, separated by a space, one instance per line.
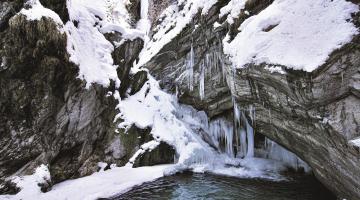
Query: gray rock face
x=46 y=114
x=311 y=114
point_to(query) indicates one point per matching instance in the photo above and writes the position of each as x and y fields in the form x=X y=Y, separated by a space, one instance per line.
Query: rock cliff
x=48 y=116
x=314 y=115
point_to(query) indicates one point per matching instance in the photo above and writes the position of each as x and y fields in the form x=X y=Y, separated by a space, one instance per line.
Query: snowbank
x=299 y=34
x=87 y=45
x=101 y=184
x=37 y=11
x=29 y=185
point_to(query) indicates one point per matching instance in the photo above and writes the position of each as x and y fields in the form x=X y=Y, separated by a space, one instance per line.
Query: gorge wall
x=48 y=116
x=315 y=115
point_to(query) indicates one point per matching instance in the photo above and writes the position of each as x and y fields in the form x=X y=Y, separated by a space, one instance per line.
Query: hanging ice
x=144 y=23
x=190 y=68
x=202 y=81
x=277 y=152
x=250 y=132
x=244 y=131
x=220 y=131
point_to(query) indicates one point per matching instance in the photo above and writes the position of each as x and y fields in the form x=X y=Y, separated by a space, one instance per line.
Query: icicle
x=144 y=23
x=190 y=68
x=243 y=143
x=250 y=139
x=202 y=81
x=176 y=91
x=144 y=9
x=279 y=153
x=221 y=130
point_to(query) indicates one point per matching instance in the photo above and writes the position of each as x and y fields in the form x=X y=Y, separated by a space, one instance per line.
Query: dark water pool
x=208 y=186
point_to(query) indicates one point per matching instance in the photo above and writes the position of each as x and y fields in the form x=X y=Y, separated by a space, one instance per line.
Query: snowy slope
x=100 y=184
x=88 y=46
x=303 y=34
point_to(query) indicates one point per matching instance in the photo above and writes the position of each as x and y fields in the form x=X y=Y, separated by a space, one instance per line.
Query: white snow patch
x=174 y=21
x=232 y=9
x=98 y=185
x=29 y=184
x=299 y=34
x=149 y=146
x=275 y=69
x=355 y=142
x=37 y=11
x=88 y=46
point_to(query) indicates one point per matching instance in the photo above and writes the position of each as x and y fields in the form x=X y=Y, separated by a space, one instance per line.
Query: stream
x=209 y=186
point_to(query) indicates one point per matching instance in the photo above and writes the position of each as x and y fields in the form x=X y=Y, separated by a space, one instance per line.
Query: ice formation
x=202 y=81
x=144 y=23
x=190 y=68
x=210 y=66
x=223 y=146
x=277 y=152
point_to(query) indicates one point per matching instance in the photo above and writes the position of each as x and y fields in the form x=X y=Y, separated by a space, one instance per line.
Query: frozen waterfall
x=190 y=68
x=279 y=153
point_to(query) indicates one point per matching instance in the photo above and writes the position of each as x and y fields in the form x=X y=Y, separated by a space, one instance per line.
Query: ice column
x=202 y=81
x=144 y=23
x=222 y=130
x=277 y=152
x=244 y=132
x=190 y=69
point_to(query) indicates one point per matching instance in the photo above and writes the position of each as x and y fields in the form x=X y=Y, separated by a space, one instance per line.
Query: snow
x=232 y=10
x=252 y=168
x=160 y=111
x=355 y=142
x=98 y=185
x=303 y=34
x=29 y=184
x=86 y=43
x=149 y=146
x=174 y=20
x=275 y=69
x=37 y=11
x=88 y=46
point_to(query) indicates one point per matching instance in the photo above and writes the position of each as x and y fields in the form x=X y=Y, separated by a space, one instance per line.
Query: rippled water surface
x=208 y=186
